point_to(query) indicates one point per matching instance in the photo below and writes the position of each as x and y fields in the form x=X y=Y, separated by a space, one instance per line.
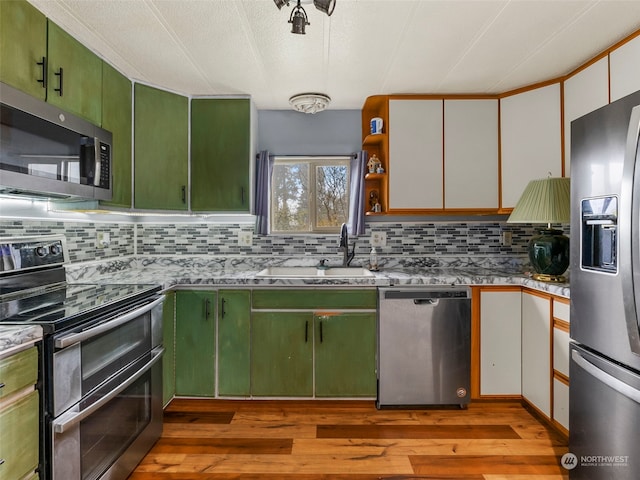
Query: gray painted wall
x=332 y=132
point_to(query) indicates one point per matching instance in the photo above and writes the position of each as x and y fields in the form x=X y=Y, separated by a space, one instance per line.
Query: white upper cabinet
x=625 y=69
x=530 y=140
x=584 y=92
x=415 y=154
x=471 y=154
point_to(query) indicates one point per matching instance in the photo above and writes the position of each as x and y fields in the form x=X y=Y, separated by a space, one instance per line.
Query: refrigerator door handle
x=629 y=259
x=609 y=380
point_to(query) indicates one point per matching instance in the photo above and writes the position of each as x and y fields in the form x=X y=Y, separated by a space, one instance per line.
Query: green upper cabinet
x=23 y=44
x=345 y=354
x=220 y=154
x=116 y=117
x=195 y=343
x=74 y=76
x=234 y=331
x=161 y=149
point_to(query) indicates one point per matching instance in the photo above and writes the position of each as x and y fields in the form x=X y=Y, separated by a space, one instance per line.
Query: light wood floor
x=350 y=440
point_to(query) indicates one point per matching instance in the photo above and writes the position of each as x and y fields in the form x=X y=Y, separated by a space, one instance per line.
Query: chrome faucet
x=344 y=246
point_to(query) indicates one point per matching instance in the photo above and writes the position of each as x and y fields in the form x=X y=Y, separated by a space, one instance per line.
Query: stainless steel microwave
x=46 y=151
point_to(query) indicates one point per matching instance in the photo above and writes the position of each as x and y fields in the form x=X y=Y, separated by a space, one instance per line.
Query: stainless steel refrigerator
x=604 y=399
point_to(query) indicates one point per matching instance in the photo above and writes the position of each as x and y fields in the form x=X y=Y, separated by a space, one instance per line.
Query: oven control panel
x=19 y=254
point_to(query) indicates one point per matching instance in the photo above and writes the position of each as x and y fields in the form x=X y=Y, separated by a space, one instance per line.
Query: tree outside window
x=309 y=194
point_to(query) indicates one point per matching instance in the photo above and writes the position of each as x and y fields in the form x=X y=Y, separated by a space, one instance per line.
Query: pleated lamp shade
x=544 y=201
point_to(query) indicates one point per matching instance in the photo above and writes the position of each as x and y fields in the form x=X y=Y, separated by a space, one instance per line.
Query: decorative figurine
x=373 y=200
x=374 y=163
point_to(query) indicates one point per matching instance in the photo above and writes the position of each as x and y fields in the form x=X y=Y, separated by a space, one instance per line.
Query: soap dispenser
x=373 y=260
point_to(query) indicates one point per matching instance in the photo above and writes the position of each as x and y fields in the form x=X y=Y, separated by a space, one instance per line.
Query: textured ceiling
x=367 y=47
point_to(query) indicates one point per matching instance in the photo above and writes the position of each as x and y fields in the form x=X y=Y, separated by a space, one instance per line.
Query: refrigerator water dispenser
x=599 y=226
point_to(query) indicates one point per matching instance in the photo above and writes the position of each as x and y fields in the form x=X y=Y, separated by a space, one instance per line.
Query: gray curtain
x=264 y=169
x=356 y=200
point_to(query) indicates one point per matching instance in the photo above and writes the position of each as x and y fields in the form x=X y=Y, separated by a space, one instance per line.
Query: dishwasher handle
x=426 y=301
x=426 y=295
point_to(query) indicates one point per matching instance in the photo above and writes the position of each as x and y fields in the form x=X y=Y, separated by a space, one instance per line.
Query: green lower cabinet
x=234 y=340
x=345 y=355
x=19 y=437
x=282 y=354
x=169 y=343
x=195 y=343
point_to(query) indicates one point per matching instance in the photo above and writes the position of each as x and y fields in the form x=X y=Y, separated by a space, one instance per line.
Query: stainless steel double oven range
x=100 y=374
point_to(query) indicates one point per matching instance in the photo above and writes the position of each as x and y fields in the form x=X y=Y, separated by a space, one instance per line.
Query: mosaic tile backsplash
x=415 y=240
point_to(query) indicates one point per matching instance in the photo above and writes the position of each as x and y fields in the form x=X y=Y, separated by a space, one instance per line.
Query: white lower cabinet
x=500 y=342
x=561 y=403
x=536 y=351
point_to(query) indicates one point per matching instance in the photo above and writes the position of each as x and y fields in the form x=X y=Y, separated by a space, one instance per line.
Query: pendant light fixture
x=299 y=19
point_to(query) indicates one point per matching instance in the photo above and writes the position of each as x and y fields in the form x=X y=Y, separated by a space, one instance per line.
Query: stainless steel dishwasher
x=424 y=346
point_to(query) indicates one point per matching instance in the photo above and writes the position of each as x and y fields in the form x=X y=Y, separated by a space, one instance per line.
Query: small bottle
x=373 y=259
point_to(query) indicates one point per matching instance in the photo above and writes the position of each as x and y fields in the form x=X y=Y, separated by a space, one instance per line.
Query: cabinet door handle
x=1 y=385
x=43 y=64
x=321 y=336
x=207 y=309
x=222 y=312
x=184 y=194
x=60 y=75
x=1 y=461
x=306 y=331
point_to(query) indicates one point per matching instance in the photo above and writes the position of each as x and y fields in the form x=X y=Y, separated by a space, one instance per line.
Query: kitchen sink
x=313 y=272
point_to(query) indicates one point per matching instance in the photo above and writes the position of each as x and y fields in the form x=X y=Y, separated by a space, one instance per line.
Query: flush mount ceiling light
x=298 y=18
x=310 y=102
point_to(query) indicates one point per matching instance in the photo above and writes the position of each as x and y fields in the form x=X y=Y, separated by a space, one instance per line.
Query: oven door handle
x=68 y=419
x=72 y=338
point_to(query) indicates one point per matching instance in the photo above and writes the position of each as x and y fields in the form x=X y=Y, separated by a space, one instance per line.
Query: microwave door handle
x=68 y=419
x=609 y=380
x=72 y=338
x=629 y=226
x=96 y=161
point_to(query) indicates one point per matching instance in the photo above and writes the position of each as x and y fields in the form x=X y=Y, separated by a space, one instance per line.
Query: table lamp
x=546 y=201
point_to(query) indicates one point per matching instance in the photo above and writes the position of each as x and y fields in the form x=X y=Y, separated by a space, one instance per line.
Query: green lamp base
x=549 y=255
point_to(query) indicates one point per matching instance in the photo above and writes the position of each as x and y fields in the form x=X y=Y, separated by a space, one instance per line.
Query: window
x=309 y=194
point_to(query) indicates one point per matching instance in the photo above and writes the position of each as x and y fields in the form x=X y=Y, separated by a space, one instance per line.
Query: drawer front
x=313 y=299
x=561 y=310
x=19 y=424
x=18 y=371
x=561 y=351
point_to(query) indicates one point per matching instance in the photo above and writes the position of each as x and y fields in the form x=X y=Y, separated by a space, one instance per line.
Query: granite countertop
x=172 y=272
x=14 y=338
x=190 y=272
